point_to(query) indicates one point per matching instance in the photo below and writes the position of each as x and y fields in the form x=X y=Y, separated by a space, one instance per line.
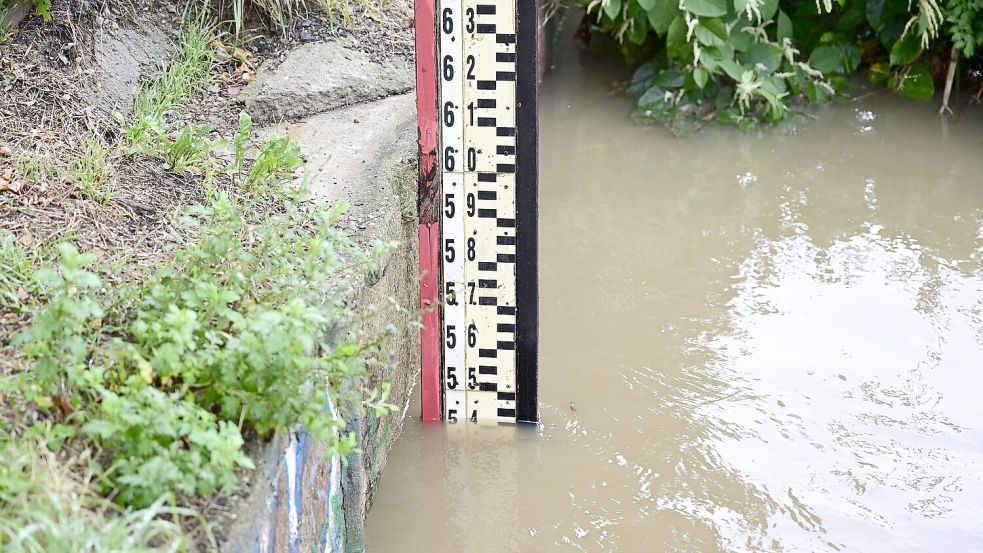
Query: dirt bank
x=72 y=80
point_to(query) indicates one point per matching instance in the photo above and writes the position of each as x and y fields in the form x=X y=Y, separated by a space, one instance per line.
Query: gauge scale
x=477 y=76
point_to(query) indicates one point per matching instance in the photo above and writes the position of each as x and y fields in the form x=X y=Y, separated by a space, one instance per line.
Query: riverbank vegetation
x=132 y=375
x=748 y=61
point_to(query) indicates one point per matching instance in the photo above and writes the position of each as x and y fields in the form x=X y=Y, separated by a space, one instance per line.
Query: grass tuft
x=16 y=269
x=45 y=507
x=189 y=72
x=91 y=172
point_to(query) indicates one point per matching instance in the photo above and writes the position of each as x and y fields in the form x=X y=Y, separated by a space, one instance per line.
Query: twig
x=950 y=76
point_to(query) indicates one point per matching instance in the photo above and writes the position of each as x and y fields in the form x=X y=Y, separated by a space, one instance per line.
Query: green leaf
x=784 y=29
x=851 y=58
x=676 y=46
x=740 y=39
x=767 y=55
x=612 y=8
x=906 y=50
x=707 y=8
x=733 y=69
x=768 y=9
x=638 y=32
x=654 y=95
x=647 y=4
x=700 y=77
x=878 y=73
x=917 y=84
x=825 y=59
x=851 y=18
x=887 y=18
x=670 y=78
x=662 y=15
x=834 y=58
x=816 y=94
x=711 y=32
x=643 y=78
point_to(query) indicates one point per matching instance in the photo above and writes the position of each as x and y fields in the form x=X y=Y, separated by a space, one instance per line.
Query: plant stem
x=953 y=60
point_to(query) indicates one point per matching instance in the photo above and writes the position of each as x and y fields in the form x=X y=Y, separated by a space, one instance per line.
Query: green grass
x=91 y=172
x=16 y=269
x=36 y=166
x=188 y=73
x=282 y=12
x=46 y=508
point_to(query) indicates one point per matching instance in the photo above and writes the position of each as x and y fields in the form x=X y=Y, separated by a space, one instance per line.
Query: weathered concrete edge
x=12 y=15
x=299 y=500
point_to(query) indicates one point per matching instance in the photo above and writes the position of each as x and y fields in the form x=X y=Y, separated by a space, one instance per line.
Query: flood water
x=764 y=342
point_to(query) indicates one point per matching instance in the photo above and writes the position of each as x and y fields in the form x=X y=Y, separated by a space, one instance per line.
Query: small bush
x=246 y=327
x=743 y=61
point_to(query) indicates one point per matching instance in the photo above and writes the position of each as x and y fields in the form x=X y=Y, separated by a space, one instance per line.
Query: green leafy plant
x=247 y=327
x=161 y=444
x=733 y=61
x=61 y=333
x=278 y=158
x=964 y=22
x=46 y=507
x=43 y=8
x=185 y=148
x=251 y=319
x=744 y=61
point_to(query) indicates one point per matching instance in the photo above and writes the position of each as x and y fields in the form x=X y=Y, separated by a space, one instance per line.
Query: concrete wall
x=298 y=499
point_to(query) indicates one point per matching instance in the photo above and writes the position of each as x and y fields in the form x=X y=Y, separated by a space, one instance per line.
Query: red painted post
x=430 y=334
x=426 y=108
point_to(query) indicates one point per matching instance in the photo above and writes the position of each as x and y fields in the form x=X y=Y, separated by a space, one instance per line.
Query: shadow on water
x=763 y=342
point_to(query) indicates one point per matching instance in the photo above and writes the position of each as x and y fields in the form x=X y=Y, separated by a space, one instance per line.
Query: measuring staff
x=478 y=131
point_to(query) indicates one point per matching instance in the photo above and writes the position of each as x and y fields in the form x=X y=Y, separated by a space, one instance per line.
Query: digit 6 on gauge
x=448 y=21
x=448 y=114
x=449 y=162
x=448 y=67
x=472 y=335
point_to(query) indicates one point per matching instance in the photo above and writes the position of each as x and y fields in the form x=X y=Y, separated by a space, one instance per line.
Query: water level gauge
x=476 y=91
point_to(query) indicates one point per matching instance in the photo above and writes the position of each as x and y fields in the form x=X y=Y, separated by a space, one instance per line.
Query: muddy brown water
x=764 y=342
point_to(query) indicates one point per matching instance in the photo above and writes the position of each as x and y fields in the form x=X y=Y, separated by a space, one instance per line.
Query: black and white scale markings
x=477 y=87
